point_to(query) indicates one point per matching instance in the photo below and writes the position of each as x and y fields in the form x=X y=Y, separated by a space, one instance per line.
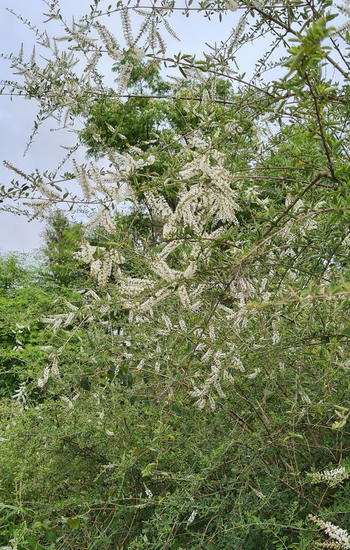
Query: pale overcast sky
x=16 y=116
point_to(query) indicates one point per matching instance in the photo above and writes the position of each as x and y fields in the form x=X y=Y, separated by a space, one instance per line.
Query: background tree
x=62 y=239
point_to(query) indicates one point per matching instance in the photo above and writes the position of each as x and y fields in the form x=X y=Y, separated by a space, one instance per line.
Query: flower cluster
x=100 y=267
x=331 y=477
x=209 y=200
x=337 y=534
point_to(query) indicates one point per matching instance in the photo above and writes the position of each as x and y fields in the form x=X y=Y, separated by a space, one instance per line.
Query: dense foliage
x=176 y=369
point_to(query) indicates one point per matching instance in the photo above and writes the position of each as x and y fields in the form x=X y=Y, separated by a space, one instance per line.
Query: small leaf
x=73 y=523
x=148 y=469
x=340 y=424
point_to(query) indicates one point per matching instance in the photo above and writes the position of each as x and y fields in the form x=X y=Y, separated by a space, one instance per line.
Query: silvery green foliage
x=234 y=269
x=210 y=195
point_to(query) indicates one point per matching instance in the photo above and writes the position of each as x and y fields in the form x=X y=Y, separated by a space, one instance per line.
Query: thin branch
x=290 y=30
x=275 y=222
x=217 y=73
x=320 y=128
x=186 y=9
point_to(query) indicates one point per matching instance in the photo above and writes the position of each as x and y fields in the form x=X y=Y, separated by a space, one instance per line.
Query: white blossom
x=331 y=477
x=42 y=381
x=192 y=517
x=333 y=531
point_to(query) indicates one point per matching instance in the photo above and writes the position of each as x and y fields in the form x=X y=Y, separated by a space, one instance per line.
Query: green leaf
x=73 y=522
x=147 y=471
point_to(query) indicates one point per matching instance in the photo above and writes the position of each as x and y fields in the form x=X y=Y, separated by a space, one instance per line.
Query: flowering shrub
x=195 y=390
